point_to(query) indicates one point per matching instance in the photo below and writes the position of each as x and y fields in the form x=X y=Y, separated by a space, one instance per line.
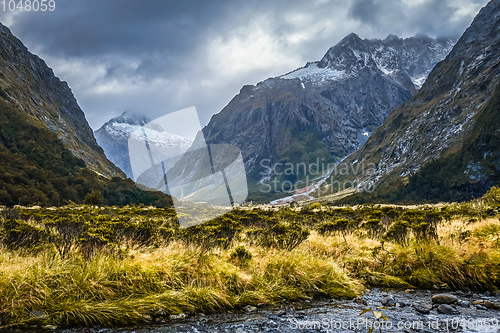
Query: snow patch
x=314 y=73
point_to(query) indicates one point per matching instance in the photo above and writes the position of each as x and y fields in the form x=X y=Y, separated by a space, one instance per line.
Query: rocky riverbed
x=406 y=311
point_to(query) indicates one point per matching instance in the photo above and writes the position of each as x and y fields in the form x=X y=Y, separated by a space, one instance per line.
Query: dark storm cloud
x=431 y=17
x=167 y=55
x=94 y=27
x=365 y=11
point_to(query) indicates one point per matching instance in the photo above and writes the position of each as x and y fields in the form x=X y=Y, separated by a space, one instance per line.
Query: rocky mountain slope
x=113 y=138
x=325 y=110
x=48 y=154
x=444 y=143
x=31 y=86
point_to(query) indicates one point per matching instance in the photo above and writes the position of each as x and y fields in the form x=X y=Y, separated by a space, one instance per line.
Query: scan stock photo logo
x=170 y=154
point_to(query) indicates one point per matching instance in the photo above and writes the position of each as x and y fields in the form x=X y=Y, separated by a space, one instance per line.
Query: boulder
x=447 y=309
x=444 y=299
x=422 y=308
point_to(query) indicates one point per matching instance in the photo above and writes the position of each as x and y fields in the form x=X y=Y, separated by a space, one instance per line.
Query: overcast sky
x=159 y=56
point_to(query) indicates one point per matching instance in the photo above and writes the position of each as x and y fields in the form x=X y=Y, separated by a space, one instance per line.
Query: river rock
x=447 y=309
x=491 y=305
x=50 y=327
x=388 y=301
x=179 y=316
x=249 y=308
x=422 y=308
x=444 y=299
x=464 y=304
x=480 y=307
x=361 y=300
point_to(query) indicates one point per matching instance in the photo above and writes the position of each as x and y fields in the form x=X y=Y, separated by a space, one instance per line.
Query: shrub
x=424 y=232
x=94 y=198
x=492 y=197
x=315 y=205
x=20 y=234
x=241 y=256
x=337 y=226
x=281 y=235
x=373 y=226
x=397 y=232
x=216 y=233
x=67 y=232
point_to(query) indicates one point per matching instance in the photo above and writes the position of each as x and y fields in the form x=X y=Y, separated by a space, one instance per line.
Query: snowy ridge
x=160 y=139
x=314 y=73
x=415 y=56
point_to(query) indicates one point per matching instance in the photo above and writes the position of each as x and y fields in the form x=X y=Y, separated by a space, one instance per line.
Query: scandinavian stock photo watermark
x=326 y=178
x=363 y=324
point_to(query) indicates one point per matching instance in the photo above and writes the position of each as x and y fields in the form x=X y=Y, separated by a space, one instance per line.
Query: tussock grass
x=124 y=272
x=109 y=290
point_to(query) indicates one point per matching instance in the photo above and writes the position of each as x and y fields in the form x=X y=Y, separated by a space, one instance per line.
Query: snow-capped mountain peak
x=113 y=138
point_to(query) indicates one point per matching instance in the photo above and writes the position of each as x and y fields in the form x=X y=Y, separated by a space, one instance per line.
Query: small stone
x=407 y=291
x=388 y=301
x=402 y=304
x=447 y=309
x=478 y=302
x=179 y=316
x=497 y=293
x=261 y=305
x=360 y=300
x=444 y=299
x=280 y=313
x=487 y=293
x=464 y=304
x=480 y=307
x=491 y=305
x=161 y=313
x=50 y=327
x=249 y=308
x=423 y=308
x=459 y=293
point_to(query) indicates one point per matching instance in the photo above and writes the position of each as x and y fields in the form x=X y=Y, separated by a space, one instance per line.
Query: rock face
x=327 y=109
x=28 y=83
x=113 y=138
x=444 y=143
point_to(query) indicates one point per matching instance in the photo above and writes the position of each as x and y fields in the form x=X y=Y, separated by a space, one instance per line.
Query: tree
x=94 y=198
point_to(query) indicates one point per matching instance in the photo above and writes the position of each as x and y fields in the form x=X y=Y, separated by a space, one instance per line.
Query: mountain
x=113 y=138
x=48 y=154
x=29 y=84
x=324 y=111
x=444 y=143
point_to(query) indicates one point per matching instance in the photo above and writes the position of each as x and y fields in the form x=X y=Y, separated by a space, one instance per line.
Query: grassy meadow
x=86 y=265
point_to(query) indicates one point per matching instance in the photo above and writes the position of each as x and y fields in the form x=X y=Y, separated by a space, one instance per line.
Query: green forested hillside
x=36 y=169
